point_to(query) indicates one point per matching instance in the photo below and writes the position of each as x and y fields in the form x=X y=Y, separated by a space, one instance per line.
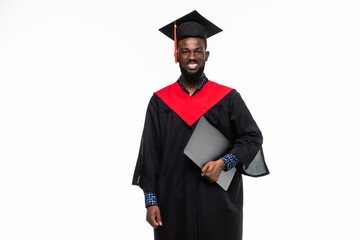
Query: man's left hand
x=212 y=169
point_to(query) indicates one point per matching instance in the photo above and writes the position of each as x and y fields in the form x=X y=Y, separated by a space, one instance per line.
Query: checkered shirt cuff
x=230 y=161
x=150 y=198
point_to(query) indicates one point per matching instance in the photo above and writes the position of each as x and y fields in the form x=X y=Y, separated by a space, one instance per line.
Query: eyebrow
x=198 y=48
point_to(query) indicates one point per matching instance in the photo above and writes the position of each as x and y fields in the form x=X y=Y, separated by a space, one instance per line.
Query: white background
x=75 y=80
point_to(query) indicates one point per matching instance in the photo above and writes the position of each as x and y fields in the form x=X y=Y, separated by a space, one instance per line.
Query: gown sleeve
x=146 y=169
x=248 y=140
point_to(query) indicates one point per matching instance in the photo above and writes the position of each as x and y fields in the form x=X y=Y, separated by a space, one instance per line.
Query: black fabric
x=203 y=29
x=191 y=207
x=191 y=29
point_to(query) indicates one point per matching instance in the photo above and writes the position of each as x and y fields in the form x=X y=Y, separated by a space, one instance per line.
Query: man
x=183 y=201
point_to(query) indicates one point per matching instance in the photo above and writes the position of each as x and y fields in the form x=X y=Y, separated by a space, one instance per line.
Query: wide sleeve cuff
x=230 y=160
x=257 y=167
x=150 y=198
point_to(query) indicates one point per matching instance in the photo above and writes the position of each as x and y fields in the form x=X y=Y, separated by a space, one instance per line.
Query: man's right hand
x=153 y=216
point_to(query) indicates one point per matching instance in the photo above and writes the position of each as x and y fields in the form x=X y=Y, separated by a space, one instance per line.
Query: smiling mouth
x=192 y=66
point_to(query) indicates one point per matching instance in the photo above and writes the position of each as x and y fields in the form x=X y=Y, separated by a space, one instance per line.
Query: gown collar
x=191 y=108
x=203 y=82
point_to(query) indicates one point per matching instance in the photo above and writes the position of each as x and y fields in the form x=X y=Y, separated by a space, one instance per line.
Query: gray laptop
x=207 y=144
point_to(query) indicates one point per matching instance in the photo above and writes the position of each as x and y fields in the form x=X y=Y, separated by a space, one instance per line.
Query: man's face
x=192 y=56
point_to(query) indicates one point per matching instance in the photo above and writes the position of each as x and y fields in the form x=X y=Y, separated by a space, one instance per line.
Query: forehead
x=192 y=43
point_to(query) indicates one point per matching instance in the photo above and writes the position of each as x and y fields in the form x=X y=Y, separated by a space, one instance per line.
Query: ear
x=207 y=54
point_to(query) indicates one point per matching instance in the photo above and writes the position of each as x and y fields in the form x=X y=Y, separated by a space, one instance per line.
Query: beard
x=192 y=77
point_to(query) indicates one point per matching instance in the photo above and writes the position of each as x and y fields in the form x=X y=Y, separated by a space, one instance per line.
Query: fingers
x=158 y=218
x=153 y=216
x=205 y=169
x=211 y=171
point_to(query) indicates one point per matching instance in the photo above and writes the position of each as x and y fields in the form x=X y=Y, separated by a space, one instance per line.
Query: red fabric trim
x=175 y=42
x=191 y=108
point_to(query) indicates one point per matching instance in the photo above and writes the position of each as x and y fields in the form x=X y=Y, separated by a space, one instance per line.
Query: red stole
x=191 y=108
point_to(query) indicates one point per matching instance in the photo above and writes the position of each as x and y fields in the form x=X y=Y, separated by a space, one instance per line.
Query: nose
x=192 y=55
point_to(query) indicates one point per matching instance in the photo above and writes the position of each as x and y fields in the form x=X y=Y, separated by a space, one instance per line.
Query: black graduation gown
x=191 y=207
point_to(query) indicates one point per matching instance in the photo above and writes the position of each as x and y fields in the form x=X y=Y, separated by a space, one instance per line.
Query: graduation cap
x=190 y=25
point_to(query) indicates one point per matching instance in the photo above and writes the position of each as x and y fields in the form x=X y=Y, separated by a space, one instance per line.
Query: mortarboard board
x=190 y=25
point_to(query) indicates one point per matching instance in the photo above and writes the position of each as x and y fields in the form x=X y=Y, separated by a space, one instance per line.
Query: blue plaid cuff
x=230 y=161
x=150 y=198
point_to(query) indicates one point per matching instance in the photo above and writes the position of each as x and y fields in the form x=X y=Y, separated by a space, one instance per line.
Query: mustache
x=192 y=61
